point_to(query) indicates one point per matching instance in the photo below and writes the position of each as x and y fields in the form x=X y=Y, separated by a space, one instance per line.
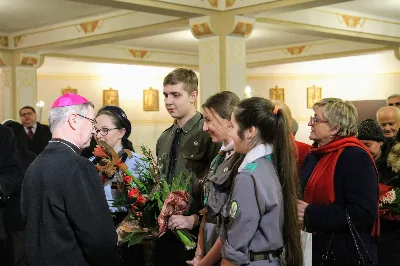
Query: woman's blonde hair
x=340 y=114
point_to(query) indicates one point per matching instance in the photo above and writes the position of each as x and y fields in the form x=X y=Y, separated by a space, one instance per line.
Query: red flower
x=127 y=179
x=98 y=152
x=133 y=193
x=133 y=207
x=140 y=200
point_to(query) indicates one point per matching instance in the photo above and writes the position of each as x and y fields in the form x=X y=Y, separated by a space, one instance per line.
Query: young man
x=38 y=135
x=183 y=148
x=67 y=219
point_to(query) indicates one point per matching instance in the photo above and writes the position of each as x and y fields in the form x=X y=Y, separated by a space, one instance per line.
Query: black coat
x=66 y=216
x=10 y=182
x=356 y=189
x=40 y=138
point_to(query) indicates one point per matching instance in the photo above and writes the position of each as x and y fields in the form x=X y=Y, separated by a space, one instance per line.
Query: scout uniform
x=216 y=193
x=187 y=150
x=253 y=232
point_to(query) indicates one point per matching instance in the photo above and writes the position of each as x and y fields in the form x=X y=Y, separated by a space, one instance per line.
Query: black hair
x=118 y=123
x=272 y=128
x=27 y=107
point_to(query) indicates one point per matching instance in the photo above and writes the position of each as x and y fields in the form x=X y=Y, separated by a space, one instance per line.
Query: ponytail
x=127 y=144
x=285 y=162
x=273 y=128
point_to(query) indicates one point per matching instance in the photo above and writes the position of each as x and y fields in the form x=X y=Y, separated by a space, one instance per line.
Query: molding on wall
x=317 y=76
x=151 y=122
x=120 y=61
x=83 y=76
x=317 y=57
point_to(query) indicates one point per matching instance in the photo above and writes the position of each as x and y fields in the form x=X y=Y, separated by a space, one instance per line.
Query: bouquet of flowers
x=389 y=202
x=149 y=197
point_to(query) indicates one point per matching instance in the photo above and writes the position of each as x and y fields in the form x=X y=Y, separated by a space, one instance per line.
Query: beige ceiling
x=18 y=15
x=263 y=36
x=23 y=15
x=381 y=8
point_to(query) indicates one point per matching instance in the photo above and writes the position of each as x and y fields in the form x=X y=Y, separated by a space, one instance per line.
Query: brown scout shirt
x=194 y=152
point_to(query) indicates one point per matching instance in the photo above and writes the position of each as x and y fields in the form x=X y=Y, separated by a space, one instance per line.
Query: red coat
x=302 y=150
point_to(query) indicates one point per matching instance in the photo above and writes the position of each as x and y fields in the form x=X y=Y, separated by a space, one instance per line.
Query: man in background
x=10 y=185
x=388 y=118
x=66 y=216
x=183 y=148
x=38 y=134
x=393 y=100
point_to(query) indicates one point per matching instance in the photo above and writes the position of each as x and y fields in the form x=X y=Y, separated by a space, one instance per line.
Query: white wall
x=90 y=79
x=364 y=77
x=367 y=77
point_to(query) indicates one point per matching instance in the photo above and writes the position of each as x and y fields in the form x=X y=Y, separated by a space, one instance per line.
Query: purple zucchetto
x=68 y=99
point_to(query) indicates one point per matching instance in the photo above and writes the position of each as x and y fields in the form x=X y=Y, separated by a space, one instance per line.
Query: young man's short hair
x=183 y=75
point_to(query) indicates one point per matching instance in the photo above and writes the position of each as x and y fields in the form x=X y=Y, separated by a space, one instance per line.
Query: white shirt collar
x=229 y=149
x=34 y=126
x=255 y=153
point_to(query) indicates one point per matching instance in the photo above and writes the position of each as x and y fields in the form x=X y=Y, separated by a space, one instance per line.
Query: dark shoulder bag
x=364 y=257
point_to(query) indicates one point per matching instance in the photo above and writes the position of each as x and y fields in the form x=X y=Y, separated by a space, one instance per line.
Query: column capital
x=222 y=25
x=5 y=59
x=14 y=59
x=397 y=53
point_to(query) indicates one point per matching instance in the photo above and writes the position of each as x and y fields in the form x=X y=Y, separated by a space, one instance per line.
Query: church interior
x=118 y=52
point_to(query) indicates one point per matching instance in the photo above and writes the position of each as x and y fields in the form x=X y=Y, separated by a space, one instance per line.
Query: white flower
x=388 y=198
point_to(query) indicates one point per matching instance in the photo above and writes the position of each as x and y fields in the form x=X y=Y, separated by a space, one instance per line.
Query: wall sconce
x=247 y=92
x=40 y=105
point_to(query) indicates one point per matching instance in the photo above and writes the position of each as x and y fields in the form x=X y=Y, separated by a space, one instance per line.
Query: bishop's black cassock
x=67 y=220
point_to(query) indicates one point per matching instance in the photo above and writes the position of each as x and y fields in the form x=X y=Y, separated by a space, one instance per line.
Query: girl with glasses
x=114 y=128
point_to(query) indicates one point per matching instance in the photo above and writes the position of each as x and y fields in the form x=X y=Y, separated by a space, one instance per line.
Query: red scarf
x=320 y=187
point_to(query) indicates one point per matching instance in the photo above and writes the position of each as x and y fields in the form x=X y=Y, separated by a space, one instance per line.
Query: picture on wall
x=314 y=94
x=150 y=100
x=68 y=89
x=110 y=97
x=277 y=94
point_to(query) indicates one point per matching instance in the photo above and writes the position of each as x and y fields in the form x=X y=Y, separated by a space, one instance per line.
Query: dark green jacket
x=195 y=153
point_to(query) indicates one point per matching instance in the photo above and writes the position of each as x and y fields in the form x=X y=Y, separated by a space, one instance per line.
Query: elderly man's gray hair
x=58 y=115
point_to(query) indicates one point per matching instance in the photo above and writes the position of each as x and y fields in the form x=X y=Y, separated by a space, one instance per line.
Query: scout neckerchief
x=221 y=156
x=218 y=160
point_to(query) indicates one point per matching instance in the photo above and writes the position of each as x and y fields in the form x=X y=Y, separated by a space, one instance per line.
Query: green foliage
x=121 y=201
x=135 y=238
x=186 y=238
x=180 y=183
x=164 y=189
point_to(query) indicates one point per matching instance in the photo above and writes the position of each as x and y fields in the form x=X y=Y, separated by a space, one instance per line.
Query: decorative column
x=397 y=53
x=222 y=53
x=6 y=87
x=18 y=81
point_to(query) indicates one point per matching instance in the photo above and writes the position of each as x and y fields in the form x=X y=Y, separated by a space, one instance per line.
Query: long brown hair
x=223 y=104
x=274 y=129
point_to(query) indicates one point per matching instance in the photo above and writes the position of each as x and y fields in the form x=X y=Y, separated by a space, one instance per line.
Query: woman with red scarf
x=340 y=187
